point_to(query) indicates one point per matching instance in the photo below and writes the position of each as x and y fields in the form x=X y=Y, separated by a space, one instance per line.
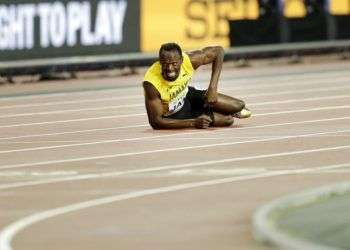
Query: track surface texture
x=81 y=169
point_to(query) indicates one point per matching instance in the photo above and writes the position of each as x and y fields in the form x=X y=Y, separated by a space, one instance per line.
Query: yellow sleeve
x=151 y=75
x=187 y=63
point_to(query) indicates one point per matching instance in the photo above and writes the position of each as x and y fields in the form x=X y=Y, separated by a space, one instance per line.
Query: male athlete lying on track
x=171 y=103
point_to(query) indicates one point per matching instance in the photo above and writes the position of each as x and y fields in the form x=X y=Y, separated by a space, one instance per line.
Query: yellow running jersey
x=172 y=93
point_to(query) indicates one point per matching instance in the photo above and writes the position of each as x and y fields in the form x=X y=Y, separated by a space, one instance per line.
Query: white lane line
x=62 y=133
x=35 y=164
x=225 y=138
x=300 y=91
x=311 y=99
x=152 y=137
x=141 y=114
x=218 y=138
x=71 y=111
x=44 y=141
x=208 y=172
x=295 y=77
x=222 y=87
x=70 y=102
x=304 y=110
x=189 y=133
x=166 y=167
x=74 y=111
x=72 y=93
x=30 y=173
x=310 y=90
x=339 y=171
x=161 y=136
x=78 y=120
x=114 y=128
x=142 y=104
x=10 y=231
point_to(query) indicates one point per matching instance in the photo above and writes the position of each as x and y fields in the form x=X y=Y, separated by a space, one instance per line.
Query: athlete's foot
x=244 y=113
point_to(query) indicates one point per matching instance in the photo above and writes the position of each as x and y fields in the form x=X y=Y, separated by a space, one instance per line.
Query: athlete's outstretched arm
x=214 y=55
x=154 y=109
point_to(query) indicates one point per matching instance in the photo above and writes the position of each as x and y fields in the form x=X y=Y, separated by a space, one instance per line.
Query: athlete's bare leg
x=221 y=120
x=228 y=105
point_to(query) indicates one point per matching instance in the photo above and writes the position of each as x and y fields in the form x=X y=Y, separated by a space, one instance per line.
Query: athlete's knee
x=238 y=106
x=228 y=120
x=222 y=120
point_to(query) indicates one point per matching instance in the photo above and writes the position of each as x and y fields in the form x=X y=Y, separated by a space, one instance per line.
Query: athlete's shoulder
x=150 y=91
x=154 y=68
x=187 y=64
x=153 y=72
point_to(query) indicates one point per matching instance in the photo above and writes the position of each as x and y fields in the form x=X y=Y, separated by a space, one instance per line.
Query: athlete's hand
x=202 y=121
x=212 y=97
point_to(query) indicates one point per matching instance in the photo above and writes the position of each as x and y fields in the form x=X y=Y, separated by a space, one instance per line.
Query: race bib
x=177 y=103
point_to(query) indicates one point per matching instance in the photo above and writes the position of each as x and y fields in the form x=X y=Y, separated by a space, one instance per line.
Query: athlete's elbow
x=218 y=54
x=156 y=124
x=219 y=50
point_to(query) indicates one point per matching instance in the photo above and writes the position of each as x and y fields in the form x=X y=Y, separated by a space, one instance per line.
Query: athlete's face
x=171 y=64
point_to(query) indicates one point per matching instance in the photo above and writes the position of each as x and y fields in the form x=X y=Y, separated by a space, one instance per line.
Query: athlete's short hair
x=170 y=47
